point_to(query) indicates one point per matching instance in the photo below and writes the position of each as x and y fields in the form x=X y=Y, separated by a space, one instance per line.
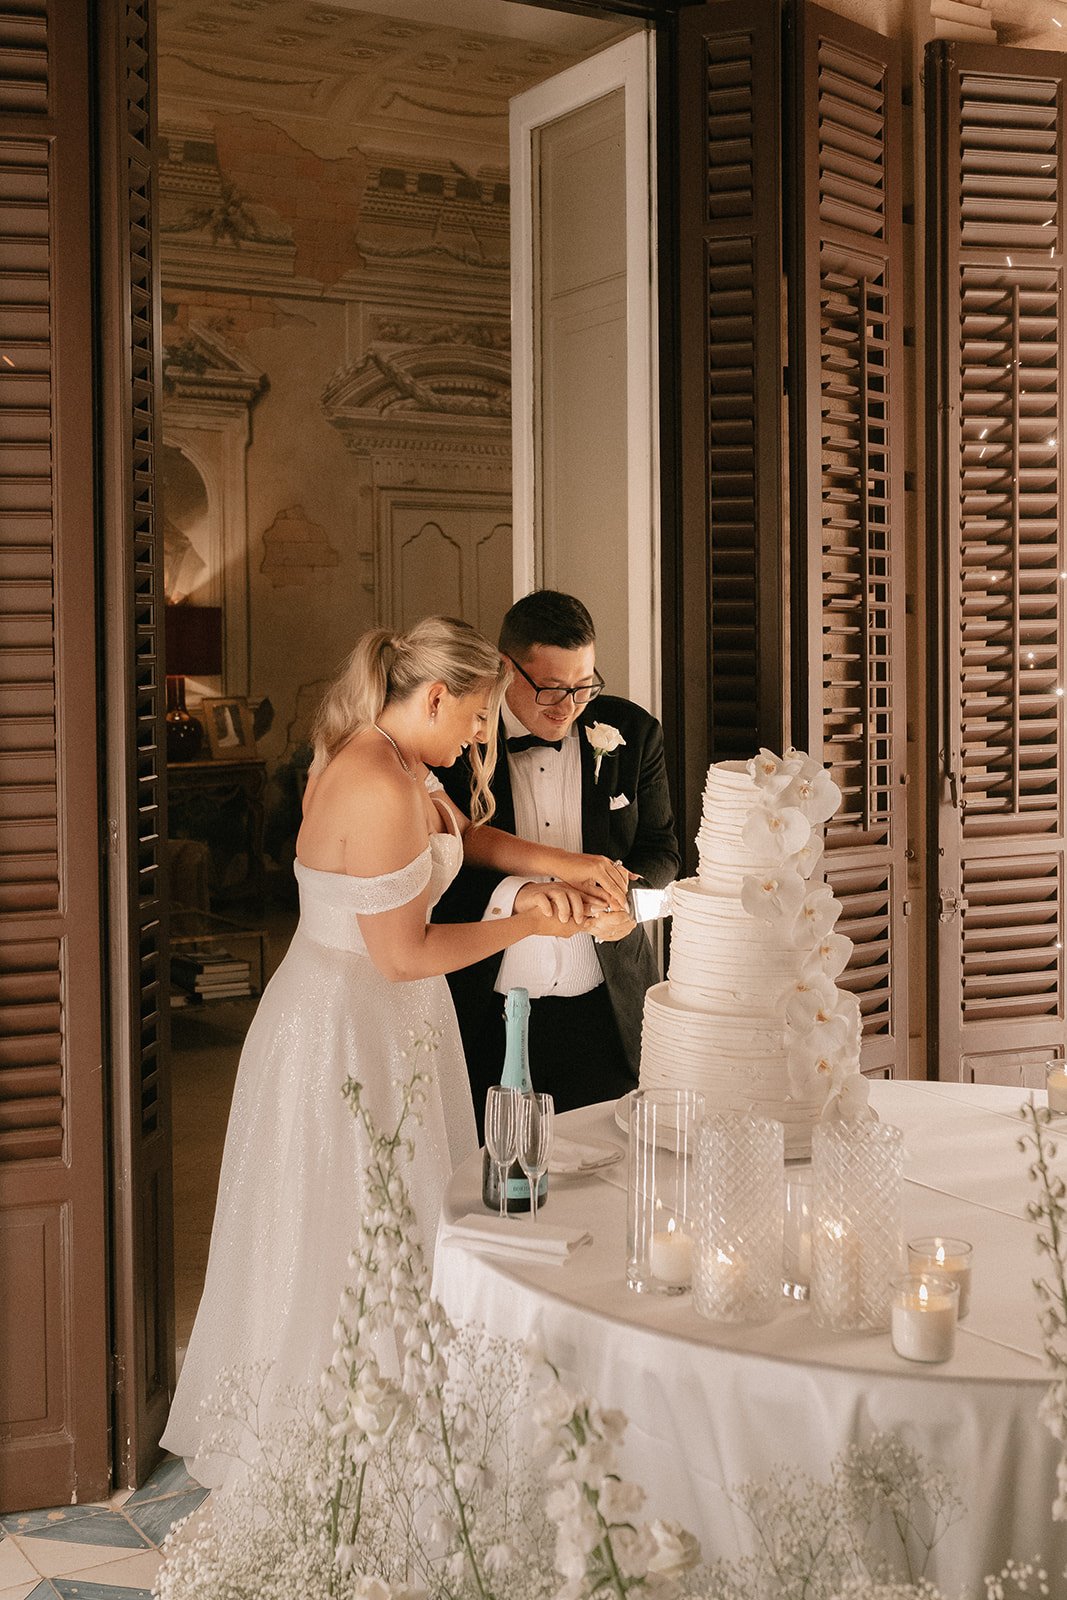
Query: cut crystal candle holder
x=659 y=1211
x=737 y=1271
x=857 y=1235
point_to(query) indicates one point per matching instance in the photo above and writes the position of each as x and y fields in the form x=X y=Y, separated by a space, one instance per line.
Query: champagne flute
x=536 y=1112
x=501 y=1133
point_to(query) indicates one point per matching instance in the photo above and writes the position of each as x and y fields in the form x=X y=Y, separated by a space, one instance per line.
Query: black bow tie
x=529 y=741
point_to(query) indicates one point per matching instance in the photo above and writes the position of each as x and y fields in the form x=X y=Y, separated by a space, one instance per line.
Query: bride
x=378 y=845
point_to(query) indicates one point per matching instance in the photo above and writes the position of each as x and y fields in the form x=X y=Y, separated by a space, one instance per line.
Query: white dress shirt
x=546 y=786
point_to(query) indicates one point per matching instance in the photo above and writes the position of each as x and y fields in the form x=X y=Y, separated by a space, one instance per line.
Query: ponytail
x=385 y=667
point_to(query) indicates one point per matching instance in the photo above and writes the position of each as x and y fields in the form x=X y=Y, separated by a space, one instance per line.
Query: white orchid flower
x=809 y=1065
x=848 y=1099
x=777 y=896
x=775 y=832
x=806 y=999
x=832 y=954
x=817 y=795
x=769 y=772
x=816 y=1015
x=809 y=855
x=815 y=918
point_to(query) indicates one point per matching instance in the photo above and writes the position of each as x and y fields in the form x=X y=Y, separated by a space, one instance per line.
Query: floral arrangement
x=821 y=1020
x=420 y=1485
x=1049 y=1213
x=453 y=1478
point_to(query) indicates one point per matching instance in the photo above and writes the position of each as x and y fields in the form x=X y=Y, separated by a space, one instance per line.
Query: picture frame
x=229 y=727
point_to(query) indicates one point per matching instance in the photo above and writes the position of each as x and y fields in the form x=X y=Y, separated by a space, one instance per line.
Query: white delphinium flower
x=774 y=833
x=775 y=897
x=600 y=1549
x=677 y=1550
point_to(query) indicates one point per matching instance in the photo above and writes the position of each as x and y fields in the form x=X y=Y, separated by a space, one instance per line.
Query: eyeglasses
x=555 y=697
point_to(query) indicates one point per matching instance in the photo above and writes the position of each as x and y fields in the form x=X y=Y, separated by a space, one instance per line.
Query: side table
x=221 y=803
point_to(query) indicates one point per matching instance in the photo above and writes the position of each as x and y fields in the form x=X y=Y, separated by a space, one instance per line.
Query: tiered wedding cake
x=751 y=1014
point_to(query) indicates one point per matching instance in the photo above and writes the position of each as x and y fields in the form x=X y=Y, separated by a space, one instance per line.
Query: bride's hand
x=550 y=926
x=557 y=900
x=611 y=926
x=603 y=883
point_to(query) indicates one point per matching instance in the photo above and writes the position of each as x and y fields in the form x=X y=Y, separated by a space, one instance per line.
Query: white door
x=584 y=413
x=446 y=554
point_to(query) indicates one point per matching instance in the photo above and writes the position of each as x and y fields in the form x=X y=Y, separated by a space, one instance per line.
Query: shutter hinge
x=951 y=903
x=907 y=906
x=949 y=780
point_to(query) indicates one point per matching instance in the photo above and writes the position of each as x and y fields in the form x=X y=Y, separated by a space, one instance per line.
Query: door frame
x=133 y=1452
x=630 y=66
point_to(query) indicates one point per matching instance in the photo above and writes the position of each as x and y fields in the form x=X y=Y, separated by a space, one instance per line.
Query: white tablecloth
x=712 y=1404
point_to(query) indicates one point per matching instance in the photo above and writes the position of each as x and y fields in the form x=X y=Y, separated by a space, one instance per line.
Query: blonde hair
x=385 y=668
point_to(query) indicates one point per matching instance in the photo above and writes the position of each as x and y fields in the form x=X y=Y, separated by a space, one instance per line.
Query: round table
x=711 y=1405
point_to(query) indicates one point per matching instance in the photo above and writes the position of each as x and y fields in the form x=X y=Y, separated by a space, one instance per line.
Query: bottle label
x=519 y=1188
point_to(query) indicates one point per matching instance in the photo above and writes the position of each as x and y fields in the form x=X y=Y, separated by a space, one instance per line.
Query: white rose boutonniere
x=604 y=739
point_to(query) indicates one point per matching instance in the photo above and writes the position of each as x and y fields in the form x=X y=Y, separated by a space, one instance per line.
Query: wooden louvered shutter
x=730 y=618
x=143 y=1211
x=847 y=493
x=996 y=223
x=53 y=1292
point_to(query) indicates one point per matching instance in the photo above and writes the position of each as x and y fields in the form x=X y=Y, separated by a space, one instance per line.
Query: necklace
x=396 y=747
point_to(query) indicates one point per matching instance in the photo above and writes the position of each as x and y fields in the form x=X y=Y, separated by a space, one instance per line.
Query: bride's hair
x=385 y=668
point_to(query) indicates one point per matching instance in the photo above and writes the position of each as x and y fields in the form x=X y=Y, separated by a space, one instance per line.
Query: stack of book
x=201 y=972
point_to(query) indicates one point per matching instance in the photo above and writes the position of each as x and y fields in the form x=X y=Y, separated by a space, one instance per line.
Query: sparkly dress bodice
x=331 y=903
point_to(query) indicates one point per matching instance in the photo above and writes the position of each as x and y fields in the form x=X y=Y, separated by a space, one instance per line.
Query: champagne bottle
x=516 y=1075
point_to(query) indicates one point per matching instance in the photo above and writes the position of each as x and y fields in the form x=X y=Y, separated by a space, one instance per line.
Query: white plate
x=668 y=1139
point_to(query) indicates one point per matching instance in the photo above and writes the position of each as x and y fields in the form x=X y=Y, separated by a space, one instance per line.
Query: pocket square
x=618 y=802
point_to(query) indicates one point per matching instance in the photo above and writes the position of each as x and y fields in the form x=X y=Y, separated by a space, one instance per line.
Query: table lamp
x=192 y=648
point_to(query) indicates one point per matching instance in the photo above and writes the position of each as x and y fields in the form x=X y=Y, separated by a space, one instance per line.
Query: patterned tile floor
x=96 y=1552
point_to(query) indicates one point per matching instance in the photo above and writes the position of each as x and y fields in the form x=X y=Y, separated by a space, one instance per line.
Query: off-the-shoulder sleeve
x=368 y=896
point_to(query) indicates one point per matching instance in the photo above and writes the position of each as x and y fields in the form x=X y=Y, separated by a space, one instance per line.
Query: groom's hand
x=603 y=883
x=557 y=900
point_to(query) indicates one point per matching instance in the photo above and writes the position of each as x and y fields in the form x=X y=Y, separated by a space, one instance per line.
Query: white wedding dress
x=291 y=1188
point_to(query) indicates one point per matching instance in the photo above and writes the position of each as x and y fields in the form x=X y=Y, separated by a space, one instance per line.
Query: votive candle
x=670 y=1256
x=923 y=1318
x=1056 y=1084
x=947 y=1258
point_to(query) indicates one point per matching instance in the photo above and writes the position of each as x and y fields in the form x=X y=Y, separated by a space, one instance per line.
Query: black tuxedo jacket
x=639 y=833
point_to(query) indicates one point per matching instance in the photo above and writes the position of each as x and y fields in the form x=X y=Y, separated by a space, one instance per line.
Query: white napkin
x=570 y=1156
x=516 y=1237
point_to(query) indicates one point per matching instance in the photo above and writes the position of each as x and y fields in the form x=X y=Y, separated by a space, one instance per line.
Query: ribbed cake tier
x=723 y=959
x=736 y=1065
x=725 y=860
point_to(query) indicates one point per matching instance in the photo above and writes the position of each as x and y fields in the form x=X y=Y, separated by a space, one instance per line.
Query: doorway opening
x=334 y=221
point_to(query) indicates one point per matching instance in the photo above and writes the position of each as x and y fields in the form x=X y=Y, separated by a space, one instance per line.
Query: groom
x=551 y=785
